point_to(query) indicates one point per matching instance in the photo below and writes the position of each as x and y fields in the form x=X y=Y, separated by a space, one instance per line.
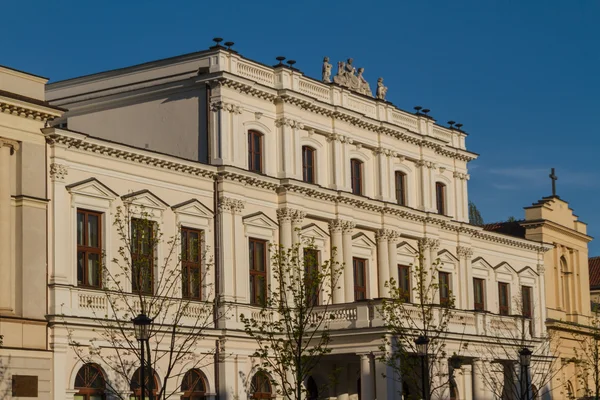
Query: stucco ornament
x=326 y=77
x=349 y=77
x=381 y=89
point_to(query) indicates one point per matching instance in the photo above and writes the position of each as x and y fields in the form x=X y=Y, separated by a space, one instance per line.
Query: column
x=466 y=391
x=287 y=129
x=383 y=258
x=542 y=293
x=466 y=298
x=338 y=163
x=337 y=252
x=297 y=219
x=393 y=255
x=233 y=248
x=284 y=215
x=347 y=231
x=423 y=185
x=388 y=382
x=465 y=197
x=7 y=272
x=383 y=184
x=366 y=378
x=479 y=390
x=439 y=379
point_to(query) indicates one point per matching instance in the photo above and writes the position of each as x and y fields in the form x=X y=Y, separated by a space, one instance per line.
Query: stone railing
x=98 y=304
x=284 y=78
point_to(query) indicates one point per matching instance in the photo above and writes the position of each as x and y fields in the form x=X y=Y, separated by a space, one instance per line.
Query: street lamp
x=525 y=361
x=141 y=325
x=422 y=344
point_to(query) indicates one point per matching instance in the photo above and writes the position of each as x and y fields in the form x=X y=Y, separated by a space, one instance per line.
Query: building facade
x=250 y=155
x=25 y=355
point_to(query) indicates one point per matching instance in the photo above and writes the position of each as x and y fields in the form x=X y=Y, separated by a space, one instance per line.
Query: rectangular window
x=255 y=151
x=503 y=298
x=527 y=299
x=142 y=255
x=400 y=188
x=191 y=263
x=440 y=197
x=404 y=282
x=311 y=276
x=445 y=288
x=308 y=164
x=479 y=293
x=356 y=171
x=258 y=271
x=360 y=278
x=89 y=248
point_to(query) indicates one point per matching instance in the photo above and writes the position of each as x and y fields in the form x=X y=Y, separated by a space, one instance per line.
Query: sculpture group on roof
x=352 y=78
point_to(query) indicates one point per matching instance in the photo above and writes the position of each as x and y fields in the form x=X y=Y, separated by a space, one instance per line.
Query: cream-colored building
x=260 y=152
x=25 y=354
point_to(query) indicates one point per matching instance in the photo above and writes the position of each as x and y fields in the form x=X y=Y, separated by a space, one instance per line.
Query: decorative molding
x=230 y=205
x=383 y=234
x=58 y=172
x=463 y=251
x=336 y=225
x=285 y=214
x=541 y=269
x=429 y=243
x=461 y=175
x=25 y=112
x=288 y=122
x=393 y=236
x=221 y=105
x=13 y=145
x=348 y=227
x=298 y=217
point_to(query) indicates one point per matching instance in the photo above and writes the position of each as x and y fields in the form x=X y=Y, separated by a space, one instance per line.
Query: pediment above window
x=446 y=257
x=362 y=240
x=505 y=268
x=92 y=188
x=194 y=208
x=314 y=231
x=145 y=198
x=260 y=220
x=406 y=249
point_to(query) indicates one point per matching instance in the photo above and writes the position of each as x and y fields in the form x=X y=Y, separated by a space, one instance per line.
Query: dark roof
x=512 y=228
x=594 y=266
x=30 y=100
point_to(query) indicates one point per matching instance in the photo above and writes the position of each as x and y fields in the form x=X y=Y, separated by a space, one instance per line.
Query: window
x=255 y=140
x=527 y=301
x=479 y=293
x=445 y=288
x=191 y=262
x=89 y=248
x=150 y=387
x=404 y=282
x=356 y=171
x=503 y=298
x=142 y=255
x=440 y=197
x=193 y=385
x=261 y=386
x=400 y=178
x=90 y=383
x=308 y=164
x=258 y=271
x=312 y=281
x=360 y=279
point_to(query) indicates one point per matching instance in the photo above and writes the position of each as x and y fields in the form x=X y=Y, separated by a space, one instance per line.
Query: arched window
x=255 y=143
x=90 y=383
x=193 y=385
x=308 y=164
x=312 y=389
x=151 y=384
x=440 y=197
x=356 y=176
x=261 y=386
x=400 y=178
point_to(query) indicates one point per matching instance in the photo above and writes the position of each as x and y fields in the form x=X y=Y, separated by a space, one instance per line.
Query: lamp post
x=525 y=360
x=422 y=344
x=141 y=324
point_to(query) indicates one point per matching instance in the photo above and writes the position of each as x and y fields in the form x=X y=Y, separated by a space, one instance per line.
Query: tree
x=587 y=357
x=500 y=367
x=475 y=217
x=291 y=330
x=138 y=282
x=426 y=309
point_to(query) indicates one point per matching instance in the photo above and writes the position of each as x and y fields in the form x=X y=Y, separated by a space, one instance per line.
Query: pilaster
x=383 y=258
x=347 y=230
x=337 y=250
x=231 y=246
x=466 y=301
x=393 y=255
x=287 y=130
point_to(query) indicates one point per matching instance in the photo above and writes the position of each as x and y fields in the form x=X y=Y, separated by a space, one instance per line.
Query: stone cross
x=554 y=179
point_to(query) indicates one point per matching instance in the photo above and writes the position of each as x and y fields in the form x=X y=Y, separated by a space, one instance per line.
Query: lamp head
x=141 y=324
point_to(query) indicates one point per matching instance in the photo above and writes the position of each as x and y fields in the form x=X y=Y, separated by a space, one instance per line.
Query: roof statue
x=381 y=89
x=348 y=76
x=326 y=70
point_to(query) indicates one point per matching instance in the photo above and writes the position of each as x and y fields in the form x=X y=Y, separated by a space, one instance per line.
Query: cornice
x=342 y=114
x=27 y=110
x=556 y=227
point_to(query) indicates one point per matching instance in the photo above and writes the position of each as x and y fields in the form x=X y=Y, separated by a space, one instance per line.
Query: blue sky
x=522 y=76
